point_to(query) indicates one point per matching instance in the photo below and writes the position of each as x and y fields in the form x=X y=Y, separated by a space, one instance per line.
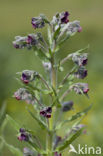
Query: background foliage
x=15 y=18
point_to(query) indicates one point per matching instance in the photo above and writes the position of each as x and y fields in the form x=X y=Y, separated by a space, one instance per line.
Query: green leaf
x=2 y=113
x=1 y=147
x=15 y=125
x=34 y=146
x=63 y=40
x=80 y=50
x=56 y=33
x=70 y=140
x=13 y=149
x=41 y=123
x=74 y=117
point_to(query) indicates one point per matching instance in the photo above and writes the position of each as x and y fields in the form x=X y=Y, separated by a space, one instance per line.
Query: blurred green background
x=15 y=19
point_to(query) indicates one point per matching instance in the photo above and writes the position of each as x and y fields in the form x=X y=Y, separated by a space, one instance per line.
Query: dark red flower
x=64 y=17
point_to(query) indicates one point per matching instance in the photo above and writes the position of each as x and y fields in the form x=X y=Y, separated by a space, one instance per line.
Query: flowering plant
x=35 y=86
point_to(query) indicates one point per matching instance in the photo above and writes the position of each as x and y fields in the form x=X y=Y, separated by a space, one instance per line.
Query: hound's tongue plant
x=49 y=116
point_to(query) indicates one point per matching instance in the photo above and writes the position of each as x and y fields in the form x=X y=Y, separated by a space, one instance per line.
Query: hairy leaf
x=70 y=140
x=74 y=117
x=13 y=149
x=41 y=123
x=15 y=125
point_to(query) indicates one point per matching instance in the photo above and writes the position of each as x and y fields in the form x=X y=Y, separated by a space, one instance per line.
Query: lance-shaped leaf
x=74 y=117
x=56 y=33
x=70 y=140
x=41 y=123
x=15 y=125
x=1 y=147
x=13 y=149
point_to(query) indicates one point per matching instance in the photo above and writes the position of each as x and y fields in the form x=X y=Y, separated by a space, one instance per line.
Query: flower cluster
x=60 y=18
x=36 y=88
x=28 y=76
x=81 y=88
x=39 y=22
x=79 y=59
x=32 y=40
x=24 y=95
x=24 y=136
x=46 y=112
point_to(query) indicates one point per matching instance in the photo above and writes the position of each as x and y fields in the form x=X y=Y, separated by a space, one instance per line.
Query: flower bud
x=32 y=39
x=67 y=106
x=24 y=136
x=71 y=27
x=38 y=22
x=64 y=17
x=20 y=42
x=80 y=60
x=24 y=95
x=28 y=76
x=47 y=66
x=80 y=29
x=80 y=88
x=60 y=18
x=81 y=73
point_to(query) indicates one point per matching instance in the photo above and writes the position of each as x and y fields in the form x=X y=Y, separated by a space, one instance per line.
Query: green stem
x=50 y=121
x=53 y=73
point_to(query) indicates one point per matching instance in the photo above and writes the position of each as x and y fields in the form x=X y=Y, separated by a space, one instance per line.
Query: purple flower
x=80 y=60
x=80 y=88
x=66 y=106
x=38 y=22
x=24 y=136
x=28 y=76
x=22 y=130
x=80 y=29
x=20 y=42
x=27 y=41
x=64 y=17
x=32 y=39
x=46 y=112
x=24 y=78
x=81 y=73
